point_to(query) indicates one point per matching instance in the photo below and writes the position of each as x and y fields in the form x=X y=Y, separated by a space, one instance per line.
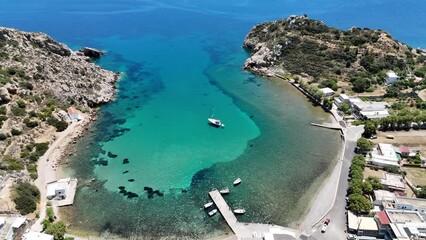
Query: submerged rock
x=126 y=161
x=125 y=172
x=112 y=155
x=131 y=180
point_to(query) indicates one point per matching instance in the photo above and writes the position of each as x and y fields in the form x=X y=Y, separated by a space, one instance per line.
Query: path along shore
x=48 y=165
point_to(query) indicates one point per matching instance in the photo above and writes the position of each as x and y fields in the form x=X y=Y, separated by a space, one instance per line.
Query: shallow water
x=182 y=63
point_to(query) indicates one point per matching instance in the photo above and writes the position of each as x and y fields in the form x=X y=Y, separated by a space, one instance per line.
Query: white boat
x=239 y=211
x=237 y=181
x=207 y=205
x=215 y=122
x=224 y=191
x=212 y=212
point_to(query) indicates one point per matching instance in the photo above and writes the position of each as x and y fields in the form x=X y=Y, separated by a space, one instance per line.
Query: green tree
x=26 y=197
x=422 y=192
x=367 y=188
x=355 y=187
x=359 y=204
x=361 y=85
x=57 y=230
x=364 y=145
x=375 y=182
x=370 y=128
x=345 y=108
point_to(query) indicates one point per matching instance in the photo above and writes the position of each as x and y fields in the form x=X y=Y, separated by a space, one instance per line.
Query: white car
x=325 y=225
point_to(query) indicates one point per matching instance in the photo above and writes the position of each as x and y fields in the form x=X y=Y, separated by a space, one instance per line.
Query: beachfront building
x=328 y=92
x=63 y=191
x=345 y=99
x=31 y=235
x=362 y=226
x=64 y=116
x=383 y=155
x=393 y=182
x=73 y=114
x=370 y=110
x=391 y=77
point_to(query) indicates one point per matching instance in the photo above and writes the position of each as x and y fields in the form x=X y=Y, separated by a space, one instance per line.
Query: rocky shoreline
x=40 y=79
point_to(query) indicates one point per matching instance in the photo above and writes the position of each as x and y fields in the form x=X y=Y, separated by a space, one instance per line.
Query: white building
x=412 y=204
x=327 y=92
x=384 y=155
x=391 y=77
x=30 y=235
x=371 y=110
x=362 y=226
x=406 y=225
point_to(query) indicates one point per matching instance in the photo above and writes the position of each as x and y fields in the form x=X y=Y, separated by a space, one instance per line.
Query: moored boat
x=239 y=211
x=237 y=181
x=207 y=205
x=215 y=122
x=225 y=191
x=212 y=212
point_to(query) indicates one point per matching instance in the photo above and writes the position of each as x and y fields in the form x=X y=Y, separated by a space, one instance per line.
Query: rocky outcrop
x=301 y=46
x=40 y=65
x=91 y=52
x=4 y=96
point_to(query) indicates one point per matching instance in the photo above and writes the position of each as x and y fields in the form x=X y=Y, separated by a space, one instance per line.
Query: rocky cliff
x=35 y=64
x=309 y=48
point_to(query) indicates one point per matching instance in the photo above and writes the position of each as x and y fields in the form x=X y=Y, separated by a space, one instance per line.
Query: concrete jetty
x=248 y=230
x=329 y=126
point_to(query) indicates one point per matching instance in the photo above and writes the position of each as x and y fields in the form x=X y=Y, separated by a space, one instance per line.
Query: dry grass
x=412 y=138
x=416 y=176
x=373 y=173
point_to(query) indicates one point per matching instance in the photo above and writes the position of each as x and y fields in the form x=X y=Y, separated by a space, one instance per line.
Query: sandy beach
x=48 y=165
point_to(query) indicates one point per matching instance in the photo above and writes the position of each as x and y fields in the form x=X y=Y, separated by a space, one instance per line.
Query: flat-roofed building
x=371 y=110
x=412 y=204
x=328 y=92
x=392 y=182
x=391 y=77
x=406 y=225
x=362 y=226
x=383 y=155
x=382 y=196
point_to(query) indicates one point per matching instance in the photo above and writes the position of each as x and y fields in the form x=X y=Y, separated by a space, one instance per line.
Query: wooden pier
x=246 y=230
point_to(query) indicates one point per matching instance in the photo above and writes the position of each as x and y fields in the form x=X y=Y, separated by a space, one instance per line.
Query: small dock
x=247 y=230
x=329 y=126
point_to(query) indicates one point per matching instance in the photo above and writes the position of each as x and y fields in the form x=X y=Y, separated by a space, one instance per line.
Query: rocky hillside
x=38 y=78
x=309 y=48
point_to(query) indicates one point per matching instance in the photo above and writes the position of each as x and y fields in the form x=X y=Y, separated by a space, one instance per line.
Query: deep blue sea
x=181 y=63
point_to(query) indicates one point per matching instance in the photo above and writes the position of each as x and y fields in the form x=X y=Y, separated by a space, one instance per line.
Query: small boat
x=237 y=181
x=215 y=122
x=239 y=211
x=207 y=205
x=224 y=191
x=212 y=212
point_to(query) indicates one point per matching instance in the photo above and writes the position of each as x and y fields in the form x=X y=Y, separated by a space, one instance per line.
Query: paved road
x=337 y=226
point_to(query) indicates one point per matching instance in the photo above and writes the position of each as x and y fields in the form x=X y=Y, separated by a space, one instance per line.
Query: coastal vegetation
x=26 y=196
x=53 y=227
x=364 y=145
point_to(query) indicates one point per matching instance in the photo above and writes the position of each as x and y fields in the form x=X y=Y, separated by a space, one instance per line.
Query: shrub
x=3 y=136
x=15 y=132
x=30 y=124
x=3 y=110
x=359 y=204
x=58 y=124
x=17 y=111
x=57 y=230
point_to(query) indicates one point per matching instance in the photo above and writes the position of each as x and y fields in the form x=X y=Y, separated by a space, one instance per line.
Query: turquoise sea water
x=182 y=62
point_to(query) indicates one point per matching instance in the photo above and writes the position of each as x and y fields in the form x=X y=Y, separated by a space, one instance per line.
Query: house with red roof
x=404 y=151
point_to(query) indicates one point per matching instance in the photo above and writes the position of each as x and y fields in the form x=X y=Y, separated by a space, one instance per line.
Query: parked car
x=373 y=136
x=325 y=225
